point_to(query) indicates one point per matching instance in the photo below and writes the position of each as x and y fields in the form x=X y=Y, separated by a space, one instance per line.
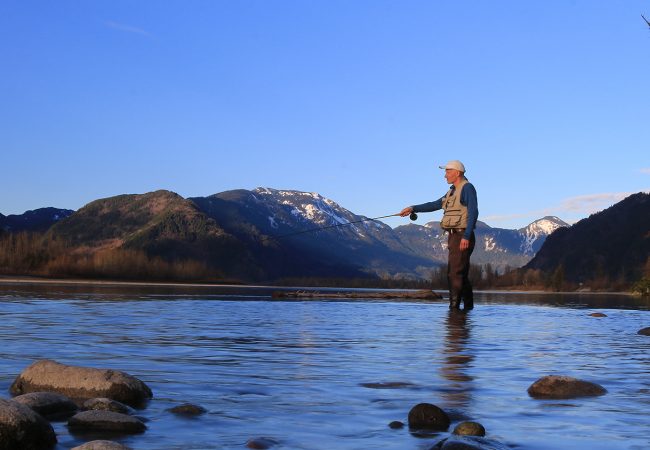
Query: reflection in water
x=457 y=360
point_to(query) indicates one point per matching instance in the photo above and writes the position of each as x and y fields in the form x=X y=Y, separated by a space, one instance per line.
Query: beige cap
x=455 y=164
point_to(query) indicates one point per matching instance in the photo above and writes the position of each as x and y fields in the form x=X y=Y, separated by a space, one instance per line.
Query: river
x=333 y=374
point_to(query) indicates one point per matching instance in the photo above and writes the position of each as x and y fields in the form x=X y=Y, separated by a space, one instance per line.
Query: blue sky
x=545 y=101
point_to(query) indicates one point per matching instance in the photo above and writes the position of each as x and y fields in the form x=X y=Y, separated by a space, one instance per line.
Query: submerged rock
x=428 y=416
x=597 y=314
x=81 y=382
x=105 y=404
x=261 y=443
x=562 y=387
x=188 y=409
x=411 y=295
x=102 y=445
x=105 y=421
x=469 y=429
x=388 y=385
x=468 y=443
x=396 y=425
x=23 y=428
x=50 y=405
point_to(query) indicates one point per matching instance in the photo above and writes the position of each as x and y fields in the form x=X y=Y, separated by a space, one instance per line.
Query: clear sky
x=547 y=102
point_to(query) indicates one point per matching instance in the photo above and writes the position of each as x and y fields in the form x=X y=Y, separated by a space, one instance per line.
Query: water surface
x=316 y=374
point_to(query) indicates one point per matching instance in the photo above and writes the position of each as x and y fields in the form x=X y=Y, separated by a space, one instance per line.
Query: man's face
x=452 y=175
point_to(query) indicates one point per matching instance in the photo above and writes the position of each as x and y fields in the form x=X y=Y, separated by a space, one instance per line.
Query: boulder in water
x=102 y=445
x=468 y=443
x=469 y=429
x=81 y=382
x=562 y=387
x=261 y=443
x=23 y=428
x=105 y=421
x=105 y=404
x=188 y=409
x=428 y=416
x=50 y=405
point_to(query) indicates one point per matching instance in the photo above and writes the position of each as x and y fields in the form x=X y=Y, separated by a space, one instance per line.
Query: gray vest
x=455 y=213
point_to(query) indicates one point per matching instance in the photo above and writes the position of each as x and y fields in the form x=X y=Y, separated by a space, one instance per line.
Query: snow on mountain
x=535 y=233
x=497 y=246
x=312 y=210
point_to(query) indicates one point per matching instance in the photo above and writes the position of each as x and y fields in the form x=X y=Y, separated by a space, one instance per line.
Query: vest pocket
x=451 y=221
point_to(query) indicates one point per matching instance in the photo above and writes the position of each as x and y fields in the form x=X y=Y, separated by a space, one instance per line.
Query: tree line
x=37 y=254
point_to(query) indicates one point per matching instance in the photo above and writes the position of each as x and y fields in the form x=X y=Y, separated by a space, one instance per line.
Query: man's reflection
x=457 y=360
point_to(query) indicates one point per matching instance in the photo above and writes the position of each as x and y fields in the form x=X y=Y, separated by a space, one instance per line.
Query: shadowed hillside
x=608 y=248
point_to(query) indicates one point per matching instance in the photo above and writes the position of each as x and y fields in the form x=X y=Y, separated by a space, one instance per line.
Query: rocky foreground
x=105 y=401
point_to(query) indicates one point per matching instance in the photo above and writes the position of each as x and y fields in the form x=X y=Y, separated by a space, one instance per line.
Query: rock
x=106 y=404
x=396 y=425
x=469 y=429
x=81 y=382
x=468 y=443
x=50 y=405
x=188 y=409
x=426 y=415
x=644 y=331
x=102 y=445
x=560 y=387
x=23 y=428
x=414 y=295
x=598 y=315
x=388 y=385
x=105 y=421
x=261 y=443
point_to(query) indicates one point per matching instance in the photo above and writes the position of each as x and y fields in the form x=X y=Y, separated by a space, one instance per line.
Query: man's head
x=454 y=171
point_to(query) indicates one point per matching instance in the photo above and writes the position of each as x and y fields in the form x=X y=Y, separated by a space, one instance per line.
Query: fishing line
x=413 y=216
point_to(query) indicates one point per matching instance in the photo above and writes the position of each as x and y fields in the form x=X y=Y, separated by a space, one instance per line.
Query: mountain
x=613 y=244
x=266 y=234
x=535 y=234
x=229 y=232
x=161 y=224
x=37 y=220
x=497 y=246
x=292 y=222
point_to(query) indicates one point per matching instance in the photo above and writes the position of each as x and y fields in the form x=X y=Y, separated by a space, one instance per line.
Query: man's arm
x=428 y=207
x=468 y=198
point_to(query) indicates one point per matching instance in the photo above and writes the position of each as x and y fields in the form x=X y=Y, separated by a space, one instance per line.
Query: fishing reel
x=413 y=216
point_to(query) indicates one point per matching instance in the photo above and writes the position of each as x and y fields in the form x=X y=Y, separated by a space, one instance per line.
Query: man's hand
x=406 y=211
x=464 y=244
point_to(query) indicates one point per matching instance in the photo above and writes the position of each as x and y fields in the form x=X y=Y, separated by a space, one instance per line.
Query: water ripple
x=322 y=375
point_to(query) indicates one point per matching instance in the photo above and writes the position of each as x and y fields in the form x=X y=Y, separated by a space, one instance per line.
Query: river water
x=333 y=374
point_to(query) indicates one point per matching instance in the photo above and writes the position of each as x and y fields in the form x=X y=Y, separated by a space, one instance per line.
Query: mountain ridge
x=270 y=234
x=39 y=219
x=611 y=245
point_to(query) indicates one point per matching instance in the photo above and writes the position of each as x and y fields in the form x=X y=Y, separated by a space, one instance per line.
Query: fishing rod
x=412 y=216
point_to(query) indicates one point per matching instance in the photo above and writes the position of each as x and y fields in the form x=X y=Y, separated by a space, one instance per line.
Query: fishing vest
x=455 y=213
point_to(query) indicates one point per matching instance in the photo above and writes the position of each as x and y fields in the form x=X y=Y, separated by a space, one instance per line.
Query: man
x=459 y=220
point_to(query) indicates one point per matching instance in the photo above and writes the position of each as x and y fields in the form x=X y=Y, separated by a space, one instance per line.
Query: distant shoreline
x=79 y=281
x=24 y=280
